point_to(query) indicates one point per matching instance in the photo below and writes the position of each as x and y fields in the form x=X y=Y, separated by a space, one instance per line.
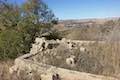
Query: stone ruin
x=56 y=60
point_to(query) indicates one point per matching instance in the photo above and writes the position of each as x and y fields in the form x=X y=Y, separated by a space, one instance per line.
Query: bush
x=53 y=34
x=20 y=25
x=11 y=44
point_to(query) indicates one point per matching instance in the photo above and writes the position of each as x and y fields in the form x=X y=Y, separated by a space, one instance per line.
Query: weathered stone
x=71 y=61
x=83 y=49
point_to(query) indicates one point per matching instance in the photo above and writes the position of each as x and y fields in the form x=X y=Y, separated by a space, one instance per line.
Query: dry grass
x=5 y=75
x=4 y=69
x=91 y=32
x=108 y=56
x=103 y=59
x=100 y=59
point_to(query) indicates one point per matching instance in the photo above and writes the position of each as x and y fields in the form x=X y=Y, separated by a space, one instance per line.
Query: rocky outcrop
x=55 y=60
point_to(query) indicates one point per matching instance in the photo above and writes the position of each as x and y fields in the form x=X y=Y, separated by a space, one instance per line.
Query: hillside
x=88 y=29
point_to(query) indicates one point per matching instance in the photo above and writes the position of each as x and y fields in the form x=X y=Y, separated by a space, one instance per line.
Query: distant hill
x=90 y=20
x=73 y=23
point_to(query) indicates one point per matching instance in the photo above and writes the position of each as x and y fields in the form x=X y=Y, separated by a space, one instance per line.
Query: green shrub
x=20 y=25
x=11 y=44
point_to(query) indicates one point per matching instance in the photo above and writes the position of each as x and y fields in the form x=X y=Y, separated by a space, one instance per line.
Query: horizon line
x=91 y=18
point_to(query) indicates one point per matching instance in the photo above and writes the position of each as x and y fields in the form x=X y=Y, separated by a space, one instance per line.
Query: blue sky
x=80 y=9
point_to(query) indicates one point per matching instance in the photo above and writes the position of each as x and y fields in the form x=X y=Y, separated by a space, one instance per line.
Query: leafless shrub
x=108 y=55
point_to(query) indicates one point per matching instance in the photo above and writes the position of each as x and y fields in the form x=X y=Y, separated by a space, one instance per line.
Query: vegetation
x=101 y=58
x=94 y=31
x=19 y=25
x=5 y=75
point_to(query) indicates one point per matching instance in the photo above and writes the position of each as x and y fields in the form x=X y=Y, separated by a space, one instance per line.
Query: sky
x=82 y=9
